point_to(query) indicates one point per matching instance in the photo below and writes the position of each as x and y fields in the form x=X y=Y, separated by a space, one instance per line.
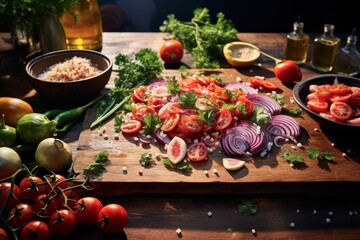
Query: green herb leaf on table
x=151 y=123
x=183 y=166
x=146 y=159
x=293 y=159
x=98 y=167
x=247 y=208
x=314 y=153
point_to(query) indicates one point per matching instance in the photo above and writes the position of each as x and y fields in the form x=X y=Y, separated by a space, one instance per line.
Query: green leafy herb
x=146 y=159
x=259 y=116
x=151 y=123
x=247 y=208
x=183 y=166
x=136 y=69
x=314 y=153
x=98 y=167
x=118 y=121
x=187 y=99
x=202 y=38
x=293 y=159
x=207 y=116
x=173 y=85
x=280 y=99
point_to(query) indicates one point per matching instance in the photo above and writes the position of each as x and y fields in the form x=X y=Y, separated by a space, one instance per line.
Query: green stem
x=108 y=114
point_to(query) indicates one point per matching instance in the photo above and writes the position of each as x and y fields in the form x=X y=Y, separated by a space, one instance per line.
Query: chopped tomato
x=255 y=82
x=223 y=118
x=139 y=95
x=317 y=106
x=191 y=123
x=269 y=85
x=323 y=92
x=355 y=97
x=141 y=110
x=170 y=123
x=340 y=111
x=197 y=152
x=169 y=109
x=131 y=126
x=156 y=102
x=244 y=108
x=160 y=91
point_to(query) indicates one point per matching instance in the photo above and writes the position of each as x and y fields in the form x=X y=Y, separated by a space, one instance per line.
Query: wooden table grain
x=322 y=215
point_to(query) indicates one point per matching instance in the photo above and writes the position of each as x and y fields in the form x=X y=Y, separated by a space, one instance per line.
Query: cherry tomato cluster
x=337 y=102
x=50 y=206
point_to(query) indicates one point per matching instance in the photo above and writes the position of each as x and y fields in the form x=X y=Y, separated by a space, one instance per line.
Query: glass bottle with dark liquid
x=325 y=48
x=297 y=43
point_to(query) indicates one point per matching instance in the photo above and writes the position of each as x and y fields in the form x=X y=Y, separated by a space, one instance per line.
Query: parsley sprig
x=247 y=208
x=98 y=167
x=314 y=153
x=183 y=166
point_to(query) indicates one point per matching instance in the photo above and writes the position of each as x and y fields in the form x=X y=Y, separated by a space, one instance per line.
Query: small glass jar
x=347 y=59
x=325 y=48
x=297 y=44
x=83 y=26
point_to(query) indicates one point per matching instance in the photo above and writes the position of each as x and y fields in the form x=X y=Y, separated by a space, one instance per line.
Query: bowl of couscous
x=69 y=76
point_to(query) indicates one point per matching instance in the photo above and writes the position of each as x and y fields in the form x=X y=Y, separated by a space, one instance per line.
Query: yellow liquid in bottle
x=296 y=49
x=323 y=55
x=83 y=26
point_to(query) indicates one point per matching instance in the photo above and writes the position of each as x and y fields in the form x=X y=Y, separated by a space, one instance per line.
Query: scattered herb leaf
x=247 y=208
x=314 y=153
x=183 y=166
x=118 y=121
x=151 y=123
x=293 y=159
x=146 y=159
x=187 y=99
x=98 y=167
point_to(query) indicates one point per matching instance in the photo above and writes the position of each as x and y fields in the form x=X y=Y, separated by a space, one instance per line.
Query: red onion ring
x=237 y=85
x=270 y=105
x=283 y=125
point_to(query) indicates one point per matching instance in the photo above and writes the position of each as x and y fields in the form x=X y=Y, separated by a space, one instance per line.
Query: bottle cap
x=298 y=25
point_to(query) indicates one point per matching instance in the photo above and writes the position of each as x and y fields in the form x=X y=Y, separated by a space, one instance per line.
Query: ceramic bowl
x=70 y=91
x=301 y=91
x=241 y=54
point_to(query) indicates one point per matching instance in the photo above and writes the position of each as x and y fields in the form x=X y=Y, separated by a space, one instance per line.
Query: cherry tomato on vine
x=87 y=210
x=62 y=223
x=112 y=218
x=20 y=214
x=5 y=190
x=288 y=71
x=35 y=230
x=171 y=51
x=30 y=187
x=3 y=234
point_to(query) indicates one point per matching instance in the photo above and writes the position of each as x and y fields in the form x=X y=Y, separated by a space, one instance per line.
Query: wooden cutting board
x=269 y=174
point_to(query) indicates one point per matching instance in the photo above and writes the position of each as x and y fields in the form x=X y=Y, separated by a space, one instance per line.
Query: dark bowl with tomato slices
x=332 y=100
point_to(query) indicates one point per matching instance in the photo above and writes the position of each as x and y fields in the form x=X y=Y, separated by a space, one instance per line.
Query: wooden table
x=314 y=215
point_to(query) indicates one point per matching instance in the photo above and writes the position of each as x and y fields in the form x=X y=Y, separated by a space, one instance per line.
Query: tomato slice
x=339 y=89
x=341 y=98
x=169 y=109
x=223 y=119
x=141 y=110
x=191 y=123
x=323 y=92
x=340 y=111
x=317 y=106
x=170 y=123
x=269 y=85
x=139 y=95
x=131 y=126
x=255 y=82
x=197 y=152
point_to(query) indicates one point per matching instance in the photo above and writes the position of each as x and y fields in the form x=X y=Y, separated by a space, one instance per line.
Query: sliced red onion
x=283 y=125
x=237 y=85
x=158 y=83
x=270 y=105
x=162 y=137
x=243 y=138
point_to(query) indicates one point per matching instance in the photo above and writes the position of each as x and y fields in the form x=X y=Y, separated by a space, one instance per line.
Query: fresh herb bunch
x=136 y=69
x=203 y=39
x=29 y=13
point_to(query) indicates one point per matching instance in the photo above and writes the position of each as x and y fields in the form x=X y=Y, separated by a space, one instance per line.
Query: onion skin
x=10 y=162
x=53 y=154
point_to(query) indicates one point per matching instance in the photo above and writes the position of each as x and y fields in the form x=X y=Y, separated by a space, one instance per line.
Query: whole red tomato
x=112 y=218
x=62 y=223
x=35 y=230
x=288 y=71
x=87 y=210
x=172 y=51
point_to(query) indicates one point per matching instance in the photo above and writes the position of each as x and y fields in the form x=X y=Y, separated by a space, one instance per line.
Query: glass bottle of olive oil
x=347 y=60
x=297 y=43
x=325 y=48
